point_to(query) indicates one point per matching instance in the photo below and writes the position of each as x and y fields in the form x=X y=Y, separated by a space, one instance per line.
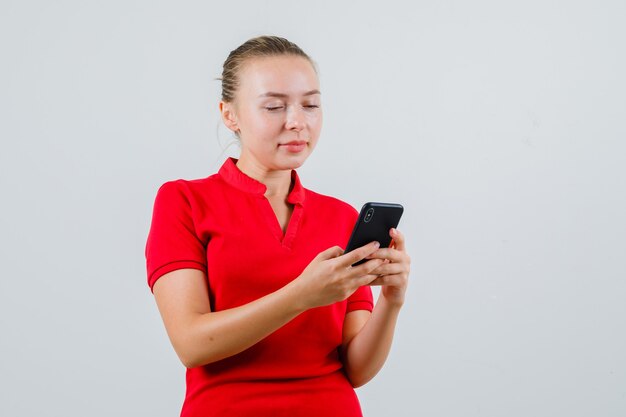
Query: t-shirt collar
x=235 y=177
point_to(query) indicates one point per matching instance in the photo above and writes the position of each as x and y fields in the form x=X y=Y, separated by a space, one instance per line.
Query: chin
x=291 y=162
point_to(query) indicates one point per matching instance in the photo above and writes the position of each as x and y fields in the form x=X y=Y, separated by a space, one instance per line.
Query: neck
x=278 y=182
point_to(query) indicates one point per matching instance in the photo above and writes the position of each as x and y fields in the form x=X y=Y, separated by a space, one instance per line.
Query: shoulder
x=188 y=189
x=189 y=197
x=330 y=204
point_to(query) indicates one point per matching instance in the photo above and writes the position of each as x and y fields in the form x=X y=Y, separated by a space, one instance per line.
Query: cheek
x=316 y=124
x=315 y=120
x=264 y=124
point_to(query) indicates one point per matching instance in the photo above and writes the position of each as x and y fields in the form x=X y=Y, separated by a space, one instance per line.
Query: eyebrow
x=282 y=95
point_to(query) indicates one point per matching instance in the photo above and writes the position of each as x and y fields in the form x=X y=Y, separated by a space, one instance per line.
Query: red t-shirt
x=225 y=226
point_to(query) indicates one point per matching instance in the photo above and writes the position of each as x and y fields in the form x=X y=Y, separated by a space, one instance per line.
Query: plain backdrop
x=498 y=125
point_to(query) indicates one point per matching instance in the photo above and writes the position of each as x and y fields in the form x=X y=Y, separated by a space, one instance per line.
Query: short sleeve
x=362 y=299
x=172 y=241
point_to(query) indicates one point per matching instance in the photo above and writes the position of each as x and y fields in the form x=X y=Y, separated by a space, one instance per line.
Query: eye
x=273 y=108
x=311 y=106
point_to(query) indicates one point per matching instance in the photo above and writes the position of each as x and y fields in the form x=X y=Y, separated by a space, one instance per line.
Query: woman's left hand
x=394 y=273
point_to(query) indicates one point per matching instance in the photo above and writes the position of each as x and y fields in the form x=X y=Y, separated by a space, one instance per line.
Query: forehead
x=292 y=75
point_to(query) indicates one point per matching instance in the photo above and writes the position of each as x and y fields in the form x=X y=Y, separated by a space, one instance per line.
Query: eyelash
x=310 y=106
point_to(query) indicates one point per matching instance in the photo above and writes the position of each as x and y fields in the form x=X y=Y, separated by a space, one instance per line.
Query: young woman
x=247 y=267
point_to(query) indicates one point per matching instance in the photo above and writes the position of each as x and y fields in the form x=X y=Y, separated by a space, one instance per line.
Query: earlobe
x=228 y=116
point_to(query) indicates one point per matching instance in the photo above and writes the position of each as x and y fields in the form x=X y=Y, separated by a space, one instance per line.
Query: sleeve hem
x=360 y=305
x=172 y=266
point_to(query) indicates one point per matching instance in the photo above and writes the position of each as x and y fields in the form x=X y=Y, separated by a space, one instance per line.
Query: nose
x=295 y=118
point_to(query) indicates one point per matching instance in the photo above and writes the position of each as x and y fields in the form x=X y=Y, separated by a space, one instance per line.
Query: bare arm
x=368 y=336
x=200 y=336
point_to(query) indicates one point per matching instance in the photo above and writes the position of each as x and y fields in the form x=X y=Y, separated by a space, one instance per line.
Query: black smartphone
x=375 y=220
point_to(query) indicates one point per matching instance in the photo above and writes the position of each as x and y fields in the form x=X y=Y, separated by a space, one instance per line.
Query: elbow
x=357 y=379
x=190 y=361
x=187 y=358
x=357 y=376
x=193 y=359
x=190 y=357
x=357 y=383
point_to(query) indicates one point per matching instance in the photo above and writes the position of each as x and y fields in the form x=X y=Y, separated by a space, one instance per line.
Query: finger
x=366 y=268
x=377 y=282
x=398 y=239
x=366 y=280
x=330 y=253
x=359 y=253
x=391 y=280
x=386 y=253
x=388 y=269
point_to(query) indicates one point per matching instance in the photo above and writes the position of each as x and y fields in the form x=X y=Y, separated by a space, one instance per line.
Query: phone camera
x=368 y=215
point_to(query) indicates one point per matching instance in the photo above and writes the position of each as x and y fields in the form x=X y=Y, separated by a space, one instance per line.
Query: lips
x=294 y=146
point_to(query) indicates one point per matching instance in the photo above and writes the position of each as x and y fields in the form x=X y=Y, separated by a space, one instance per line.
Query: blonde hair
x=259 y=47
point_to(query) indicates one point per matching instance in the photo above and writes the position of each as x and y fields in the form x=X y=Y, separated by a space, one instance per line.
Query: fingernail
x=376 y=244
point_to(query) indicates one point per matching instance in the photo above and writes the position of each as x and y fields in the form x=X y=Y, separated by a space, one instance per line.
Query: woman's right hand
x=330 y=277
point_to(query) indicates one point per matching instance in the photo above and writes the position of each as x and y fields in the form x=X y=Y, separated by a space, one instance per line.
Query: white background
x=498 y=125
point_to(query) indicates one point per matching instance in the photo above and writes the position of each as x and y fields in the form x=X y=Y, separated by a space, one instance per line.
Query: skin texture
x=278 y=102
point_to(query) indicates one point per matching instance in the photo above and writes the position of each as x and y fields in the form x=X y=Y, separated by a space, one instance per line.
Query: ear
x=228 y=116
